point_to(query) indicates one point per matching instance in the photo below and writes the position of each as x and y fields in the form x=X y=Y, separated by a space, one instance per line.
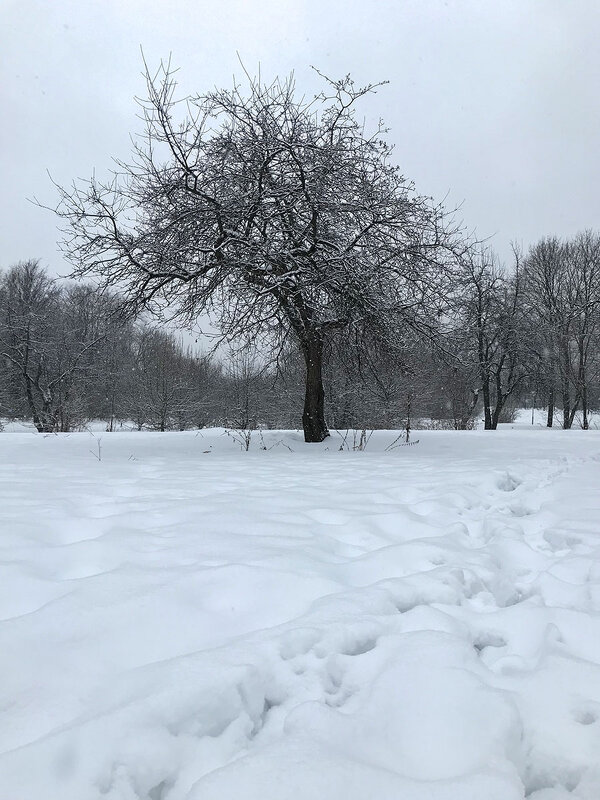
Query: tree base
x=314 y=432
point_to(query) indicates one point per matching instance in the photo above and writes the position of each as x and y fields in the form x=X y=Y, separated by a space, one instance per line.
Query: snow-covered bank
x=184 y=620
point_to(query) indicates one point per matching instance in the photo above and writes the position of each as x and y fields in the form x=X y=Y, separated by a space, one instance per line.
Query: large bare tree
x=279 y=215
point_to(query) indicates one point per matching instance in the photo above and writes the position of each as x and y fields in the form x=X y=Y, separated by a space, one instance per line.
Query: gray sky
x=495 y=103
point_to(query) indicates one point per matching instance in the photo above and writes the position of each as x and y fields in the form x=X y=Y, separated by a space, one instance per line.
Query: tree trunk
x=484 y=373
x=43 y=419
x=566 y=401
x=496 y=415
x=467 y=419
x=582 y=381
x=566 y=392
x=313 y=418
x=487 y=410
x=48 y=416
x=37 y=421
x=550 y=416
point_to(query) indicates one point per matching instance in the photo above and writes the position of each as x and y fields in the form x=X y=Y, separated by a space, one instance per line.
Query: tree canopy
x=280 y=215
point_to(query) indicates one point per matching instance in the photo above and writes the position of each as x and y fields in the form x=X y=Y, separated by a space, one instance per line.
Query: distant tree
x=246 y=389
x=492 y=319
x=546 y=300
x=88 y=325
x=447 y=382
x=161 y=395
x=583 y=276
x=47 y=337
x=205 y=380
x=562 y=280
x=110 y=383
x=281 y=215
x=368 y=379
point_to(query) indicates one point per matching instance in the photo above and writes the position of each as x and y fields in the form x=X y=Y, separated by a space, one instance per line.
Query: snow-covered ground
x=183 y=620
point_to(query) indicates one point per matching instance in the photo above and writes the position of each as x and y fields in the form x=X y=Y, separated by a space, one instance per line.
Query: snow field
x=182 y=620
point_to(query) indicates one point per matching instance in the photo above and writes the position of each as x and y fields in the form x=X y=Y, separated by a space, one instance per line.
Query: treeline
x=534 y=332
x=69 y=357
x=527 y=335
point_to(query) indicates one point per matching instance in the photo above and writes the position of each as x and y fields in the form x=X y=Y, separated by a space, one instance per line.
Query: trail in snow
x=185 y=621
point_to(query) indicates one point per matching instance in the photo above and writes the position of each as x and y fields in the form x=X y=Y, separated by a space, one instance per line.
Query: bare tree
x=161 y=394
x=583 y=275
x=563 y=300
x=245 y=377
x=547 y=307
x=280 y=215
x=110 y=383
x=491 y=306
x=46 y=338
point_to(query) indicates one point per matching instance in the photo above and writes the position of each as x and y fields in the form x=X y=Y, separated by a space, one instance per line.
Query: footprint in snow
x=488 y=639
x=508 y=483
x=359 y=648
x=585 y=717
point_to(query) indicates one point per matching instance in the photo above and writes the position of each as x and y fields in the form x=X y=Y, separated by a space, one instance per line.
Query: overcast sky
x=495 y=103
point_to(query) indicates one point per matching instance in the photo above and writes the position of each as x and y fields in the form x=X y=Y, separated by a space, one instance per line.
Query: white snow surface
x=183 y=620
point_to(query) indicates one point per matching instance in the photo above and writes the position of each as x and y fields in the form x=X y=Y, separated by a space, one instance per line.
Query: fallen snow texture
x=186 y=621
